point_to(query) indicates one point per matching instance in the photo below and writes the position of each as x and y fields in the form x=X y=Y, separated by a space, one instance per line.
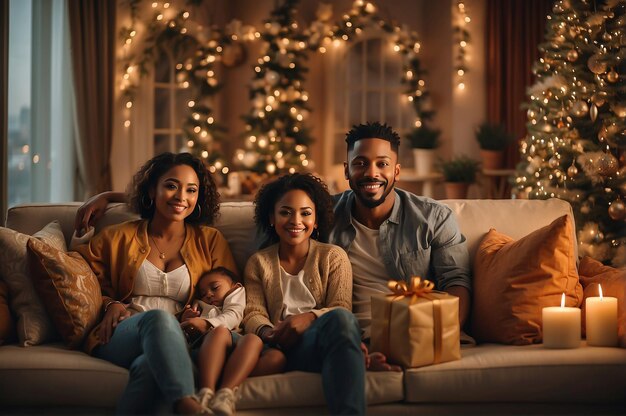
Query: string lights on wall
x=462 y=39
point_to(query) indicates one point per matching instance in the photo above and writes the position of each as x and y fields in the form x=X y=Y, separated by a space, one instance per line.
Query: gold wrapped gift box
x=416 y=326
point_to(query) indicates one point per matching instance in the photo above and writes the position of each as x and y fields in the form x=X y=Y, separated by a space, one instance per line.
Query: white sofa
x=489 y=379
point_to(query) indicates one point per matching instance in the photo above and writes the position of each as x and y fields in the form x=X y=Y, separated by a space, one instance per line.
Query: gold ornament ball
x=599 y=98
x=596 y=64
x=580 y=108
x=606 y=164
x=619 y=109
x=572 y=171
x=612 y=76
x=553 y=162
x=572 y=55
x=617 y=210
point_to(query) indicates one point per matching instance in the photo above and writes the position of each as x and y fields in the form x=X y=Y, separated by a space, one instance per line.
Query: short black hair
x=224 y=272
x=270 y=193
x=373 y=130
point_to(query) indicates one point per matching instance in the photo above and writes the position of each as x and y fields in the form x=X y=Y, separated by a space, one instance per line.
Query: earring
x=199 y=211
x=143 y=202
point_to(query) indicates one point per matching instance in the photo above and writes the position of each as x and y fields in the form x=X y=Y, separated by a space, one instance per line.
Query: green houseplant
x=424 y=140
x=493 y=139
x=458 y=174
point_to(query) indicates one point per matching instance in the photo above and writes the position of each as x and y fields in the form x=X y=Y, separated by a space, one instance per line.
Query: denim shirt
x=420 y=238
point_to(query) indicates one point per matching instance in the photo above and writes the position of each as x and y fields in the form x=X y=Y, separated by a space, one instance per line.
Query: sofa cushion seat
x=529 y=373
x=57 y=376
x=297 y=389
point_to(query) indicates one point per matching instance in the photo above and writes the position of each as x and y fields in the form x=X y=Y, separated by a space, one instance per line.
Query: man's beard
x=371 y=203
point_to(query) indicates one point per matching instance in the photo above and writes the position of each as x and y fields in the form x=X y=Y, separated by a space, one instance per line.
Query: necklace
x=161 y=254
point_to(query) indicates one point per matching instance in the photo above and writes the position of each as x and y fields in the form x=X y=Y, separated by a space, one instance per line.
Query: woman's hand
x=116 y=312
x=93 y=209
x=189 y=312
x=288 y=332
x=195 y=324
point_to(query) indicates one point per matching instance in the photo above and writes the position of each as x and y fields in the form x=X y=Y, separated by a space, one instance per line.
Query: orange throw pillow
x=613 y=282
x=68 y=288
x=7 y=325
x=515 y=280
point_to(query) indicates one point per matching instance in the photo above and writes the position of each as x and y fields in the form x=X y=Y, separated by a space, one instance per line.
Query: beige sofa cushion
x=33 y=323
x=529 y=373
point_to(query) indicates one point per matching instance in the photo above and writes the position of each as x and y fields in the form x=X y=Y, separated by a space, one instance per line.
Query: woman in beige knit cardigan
x=299 y=290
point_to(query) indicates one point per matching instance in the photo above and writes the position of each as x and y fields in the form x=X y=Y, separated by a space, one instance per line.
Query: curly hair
x=267 y=197
x=373 y=130
x=146 y=179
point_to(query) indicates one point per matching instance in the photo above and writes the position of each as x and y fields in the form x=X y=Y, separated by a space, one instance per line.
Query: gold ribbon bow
x=416 y=286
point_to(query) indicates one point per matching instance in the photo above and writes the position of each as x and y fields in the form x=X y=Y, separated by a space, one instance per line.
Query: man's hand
x=114 y=315
x=377 y=361
x=90 y=212
x=288 y=332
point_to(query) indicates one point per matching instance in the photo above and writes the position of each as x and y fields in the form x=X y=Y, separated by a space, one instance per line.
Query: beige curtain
x=92 y=30
x=514 y=30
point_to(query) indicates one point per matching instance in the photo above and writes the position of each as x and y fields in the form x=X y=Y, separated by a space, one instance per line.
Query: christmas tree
x=574 y=149
x=276 y=137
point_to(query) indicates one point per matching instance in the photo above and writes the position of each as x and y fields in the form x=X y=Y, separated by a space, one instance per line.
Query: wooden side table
x=496 y=183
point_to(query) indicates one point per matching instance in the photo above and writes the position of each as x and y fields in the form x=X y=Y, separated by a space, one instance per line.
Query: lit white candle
x=601 y=320
x=561 y=326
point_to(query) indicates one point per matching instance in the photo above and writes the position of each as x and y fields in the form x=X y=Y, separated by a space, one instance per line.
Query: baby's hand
x=190 y=312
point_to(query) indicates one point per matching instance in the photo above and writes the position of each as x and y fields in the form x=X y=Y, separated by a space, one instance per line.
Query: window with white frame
x=170 y=106
x=40 y=149
x=364 y=85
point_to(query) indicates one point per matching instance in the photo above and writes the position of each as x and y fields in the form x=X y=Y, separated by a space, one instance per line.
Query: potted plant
x=424 y=140
x=458 y=174
x=493 y=139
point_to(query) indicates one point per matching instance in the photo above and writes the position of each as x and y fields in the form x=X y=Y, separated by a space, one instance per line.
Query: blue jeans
x=332 y=346
x=152 y=346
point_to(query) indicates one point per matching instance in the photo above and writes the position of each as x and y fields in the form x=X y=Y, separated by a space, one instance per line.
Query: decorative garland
x=277 y=139
x=197 y=52
x=269 y=151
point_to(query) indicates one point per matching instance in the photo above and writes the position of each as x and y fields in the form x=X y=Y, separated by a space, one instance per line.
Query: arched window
x=364 y=85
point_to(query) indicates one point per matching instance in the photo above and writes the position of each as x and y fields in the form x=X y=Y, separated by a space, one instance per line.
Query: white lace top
x=156 y=289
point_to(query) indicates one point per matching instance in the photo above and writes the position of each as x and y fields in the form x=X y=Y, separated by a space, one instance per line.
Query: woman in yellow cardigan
x=299 y=290
x=147 y=270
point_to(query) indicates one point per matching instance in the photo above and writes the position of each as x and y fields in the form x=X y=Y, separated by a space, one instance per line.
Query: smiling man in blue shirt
x=390 y=233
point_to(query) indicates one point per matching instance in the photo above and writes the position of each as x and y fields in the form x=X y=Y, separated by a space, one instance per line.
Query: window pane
x=373 y=75
x=373 y=108
x=354 y=107
x=161 y=108
x=162 y=69
x=354 y=60
x=161 y=143
x=182 y=108
x=392 y=108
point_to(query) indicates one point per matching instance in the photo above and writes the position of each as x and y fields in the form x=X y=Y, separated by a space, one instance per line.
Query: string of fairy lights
x=462 y=38
x=169 y=23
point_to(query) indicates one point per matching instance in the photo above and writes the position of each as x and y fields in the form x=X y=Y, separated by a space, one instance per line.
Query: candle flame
x=600 y=289
x=563 y=300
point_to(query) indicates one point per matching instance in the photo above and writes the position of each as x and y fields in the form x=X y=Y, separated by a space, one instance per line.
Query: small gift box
x=415 y=325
